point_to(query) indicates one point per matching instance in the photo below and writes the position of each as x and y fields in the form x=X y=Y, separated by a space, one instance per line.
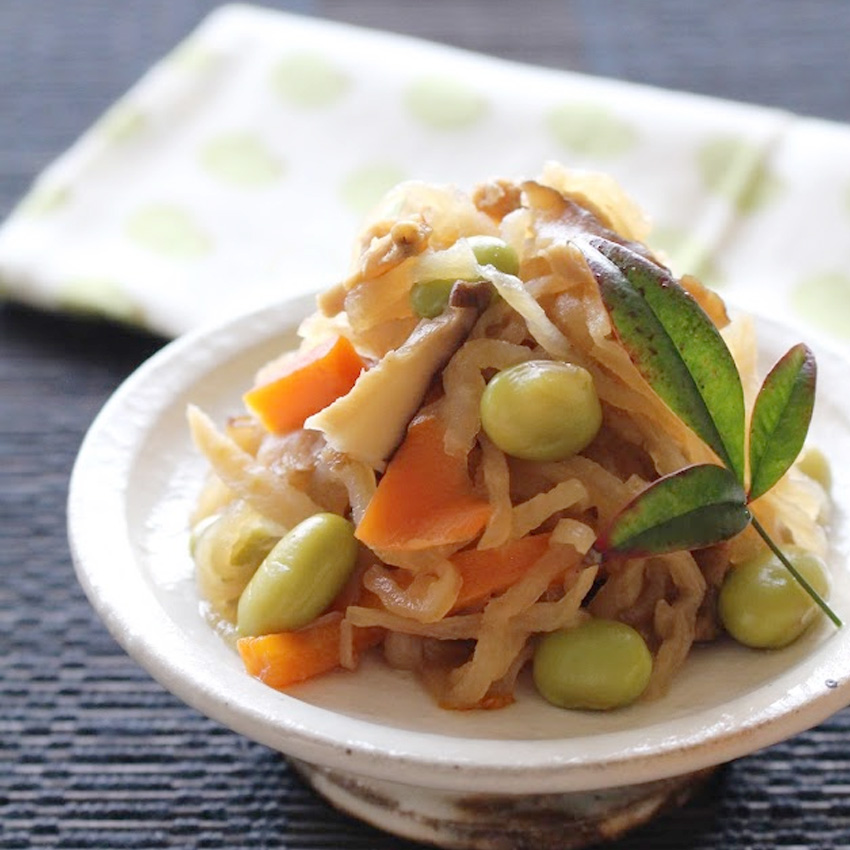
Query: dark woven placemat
x=93 y=753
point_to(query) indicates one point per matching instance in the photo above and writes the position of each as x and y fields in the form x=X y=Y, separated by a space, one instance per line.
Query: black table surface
x=95 y=754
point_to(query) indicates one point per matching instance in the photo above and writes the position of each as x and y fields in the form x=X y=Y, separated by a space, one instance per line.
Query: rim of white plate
x=110 y=568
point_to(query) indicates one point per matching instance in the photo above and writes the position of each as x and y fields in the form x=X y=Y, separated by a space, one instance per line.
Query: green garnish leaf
x=674 y=345
x=781 y=417
x=694 y=507
x=683 y=357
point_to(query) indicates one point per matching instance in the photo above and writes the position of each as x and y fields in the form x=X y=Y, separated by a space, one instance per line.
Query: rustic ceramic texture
x=135 y=481
x=482 y=821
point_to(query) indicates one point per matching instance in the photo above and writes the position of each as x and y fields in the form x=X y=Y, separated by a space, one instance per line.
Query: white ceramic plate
x=132 y=489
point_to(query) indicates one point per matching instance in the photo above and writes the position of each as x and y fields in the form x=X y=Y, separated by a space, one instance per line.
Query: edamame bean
x=428 y=298
x=763 y=606
x=492 y=251
x=541 y=410
x=300 y=577
x=599 y=665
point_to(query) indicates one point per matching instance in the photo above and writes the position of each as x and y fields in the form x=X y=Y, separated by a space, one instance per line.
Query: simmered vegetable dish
x=513 y=444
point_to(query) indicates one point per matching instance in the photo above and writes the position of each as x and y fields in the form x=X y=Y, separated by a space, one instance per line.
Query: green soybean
x=492 y=251
x=428 y=298
x=763 y=606
x=598 y=665
x=541 y=410
x=300 y=577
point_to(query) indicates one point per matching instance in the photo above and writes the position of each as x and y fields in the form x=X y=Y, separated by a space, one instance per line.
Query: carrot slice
x=286 y=658
x=425 y=497
x=309 y=382
x=486 y=572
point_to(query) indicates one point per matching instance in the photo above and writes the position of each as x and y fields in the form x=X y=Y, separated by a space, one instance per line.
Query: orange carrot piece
x=425 y=497
x=309 y=383
x=485 y=572
x=286 y=658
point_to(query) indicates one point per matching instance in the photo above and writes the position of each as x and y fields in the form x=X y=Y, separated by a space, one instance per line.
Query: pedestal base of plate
x=465 y=821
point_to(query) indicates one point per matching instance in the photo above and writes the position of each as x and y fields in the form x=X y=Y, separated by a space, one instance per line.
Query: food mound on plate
x=431 y=471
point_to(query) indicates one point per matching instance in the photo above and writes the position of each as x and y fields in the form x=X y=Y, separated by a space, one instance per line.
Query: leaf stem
x=816 y=597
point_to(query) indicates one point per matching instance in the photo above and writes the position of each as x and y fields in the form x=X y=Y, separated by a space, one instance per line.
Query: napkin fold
x=236 y=171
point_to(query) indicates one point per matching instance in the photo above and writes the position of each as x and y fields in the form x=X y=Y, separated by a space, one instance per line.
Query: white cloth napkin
x=236 y=172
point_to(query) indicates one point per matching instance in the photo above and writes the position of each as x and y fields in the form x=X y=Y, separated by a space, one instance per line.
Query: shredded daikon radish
x=272 y=495
x=469 y=649
x=533 y=513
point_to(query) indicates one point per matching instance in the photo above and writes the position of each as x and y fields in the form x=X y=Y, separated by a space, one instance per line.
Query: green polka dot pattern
x=193 y=58
x=122 y=124
x=249 y=154
x=824 y=300
x=241 y=159
x=308 y=81
x=365 y=186
x=586 y=129
x=736 y=170
x=445 y=103
x=99 y=296
x=44 y=200
x=686 y=254
x=168 y=230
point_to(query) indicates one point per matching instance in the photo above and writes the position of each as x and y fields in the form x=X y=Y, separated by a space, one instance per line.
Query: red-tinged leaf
x=689 y=509
x=781 y=417
x=674 y=345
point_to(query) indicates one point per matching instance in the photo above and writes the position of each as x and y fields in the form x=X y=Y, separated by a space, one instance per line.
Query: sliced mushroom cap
x=370 y=421
x=560 y=219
